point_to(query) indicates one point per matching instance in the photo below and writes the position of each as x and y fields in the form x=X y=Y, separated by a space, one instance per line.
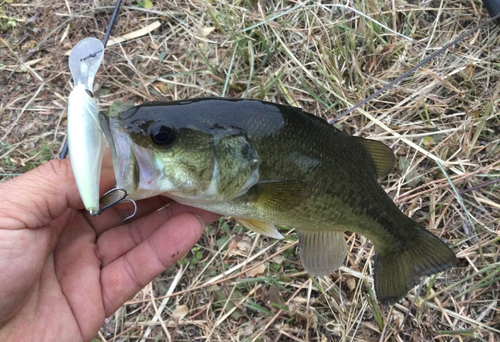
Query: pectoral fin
x=259 y=227
x=279 y=196
x=322 y=253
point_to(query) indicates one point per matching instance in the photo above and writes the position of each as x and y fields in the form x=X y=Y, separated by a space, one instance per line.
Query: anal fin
x=322 y=253
x=264 y=228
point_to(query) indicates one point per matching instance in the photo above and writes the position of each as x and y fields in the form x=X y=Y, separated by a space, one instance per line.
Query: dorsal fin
x=381 y=154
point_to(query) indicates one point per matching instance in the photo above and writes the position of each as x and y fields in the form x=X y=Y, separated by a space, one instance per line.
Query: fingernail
x=203 y=225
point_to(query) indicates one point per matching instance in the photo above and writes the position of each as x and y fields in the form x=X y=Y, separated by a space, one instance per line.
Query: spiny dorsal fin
x=278 y=195
x=322 y=253
x=381 y=154
x=264 y=228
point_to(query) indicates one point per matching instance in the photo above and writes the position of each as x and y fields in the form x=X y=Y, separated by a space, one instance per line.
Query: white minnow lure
x=85 y=137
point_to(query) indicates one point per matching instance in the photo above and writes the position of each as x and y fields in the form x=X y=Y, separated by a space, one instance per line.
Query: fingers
x=125 y=276
x=78 y=273
x=37 y=197
x=115 y=242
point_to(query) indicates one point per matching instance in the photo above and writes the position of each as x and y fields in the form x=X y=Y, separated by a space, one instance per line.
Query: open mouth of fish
x=133 y=164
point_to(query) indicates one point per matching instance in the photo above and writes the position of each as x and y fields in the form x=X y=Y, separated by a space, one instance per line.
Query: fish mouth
x=137 y=170
x=124 y=162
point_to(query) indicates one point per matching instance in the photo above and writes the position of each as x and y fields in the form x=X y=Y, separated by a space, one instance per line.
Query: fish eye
x=162 y=135
x=89 y=93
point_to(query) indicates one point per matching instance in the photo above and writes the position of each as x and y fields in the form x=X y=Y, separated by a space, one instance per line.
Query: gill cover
x=85 y=138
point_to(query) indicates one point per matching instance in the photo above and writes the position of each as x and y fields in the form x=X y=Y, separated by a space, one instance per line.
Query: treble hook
x=121 y=199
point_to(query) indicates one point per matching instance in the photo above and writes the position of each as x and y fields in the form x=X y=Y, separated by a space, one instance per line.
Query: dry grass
x=323 y=60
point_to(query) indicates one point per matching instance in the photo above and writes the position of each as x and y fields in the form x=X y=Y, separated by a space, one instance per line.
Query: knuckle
x=60 y=168
x=129 y=269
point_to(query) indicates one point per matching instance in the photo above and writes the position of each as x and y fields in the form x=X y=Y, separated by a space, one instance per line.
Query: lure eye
x=163 y=135
x=89 y=93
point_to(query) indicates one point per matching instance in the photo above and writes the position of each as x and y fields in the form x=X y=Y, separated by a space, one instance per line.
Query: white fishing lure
x=85 y=137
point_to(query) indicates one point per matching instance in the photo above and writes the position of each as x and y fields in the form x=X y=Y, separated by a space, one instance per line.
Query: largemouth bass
x=267 y=164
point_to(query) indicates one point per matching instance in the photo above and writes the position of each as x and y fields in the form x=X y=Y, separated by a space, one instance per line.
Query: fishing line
x=112 y=21
x=407 y=73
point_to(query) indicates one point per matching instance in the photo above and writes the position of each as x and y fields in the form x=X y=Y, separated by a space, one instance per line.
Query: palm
x=58 y=284
x=64 y=272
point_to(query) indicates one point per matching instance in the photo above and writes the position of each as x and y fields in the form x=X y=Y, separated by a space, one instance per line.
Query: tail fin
x=396 y=272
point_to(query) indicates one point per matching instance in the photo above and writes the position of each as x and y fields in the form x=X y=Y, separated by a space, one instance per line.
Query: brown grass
x=324 y=60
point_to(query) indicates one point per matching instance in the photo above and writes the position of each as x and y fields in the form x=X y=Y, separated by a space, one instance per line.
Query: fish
x=86 y=140
x=267 y=164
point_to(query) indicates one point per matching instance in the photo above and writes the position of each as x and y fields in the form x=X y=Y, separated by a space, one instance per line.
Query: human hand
x=63 y=272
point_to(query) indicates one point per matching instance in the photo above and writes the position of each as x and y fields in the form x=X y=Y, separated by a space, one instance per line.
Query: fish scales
x=268 y=164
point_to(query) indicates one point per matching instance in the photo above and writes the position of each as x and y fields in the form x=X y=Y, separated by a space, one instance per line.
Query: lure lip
x=84 y=61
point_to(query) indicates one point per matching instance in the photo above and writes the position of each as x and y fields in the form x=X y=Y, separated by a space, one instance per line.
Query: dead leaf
x=179 y=312
x=470 y=70
x=278 y=259
x=257 y=270
x=206 y=31
x=244 y=245
x=351 y=283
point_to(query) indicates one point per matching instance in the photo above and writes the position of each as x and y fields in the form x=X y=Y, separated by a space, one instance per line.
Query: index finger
x=43 y=194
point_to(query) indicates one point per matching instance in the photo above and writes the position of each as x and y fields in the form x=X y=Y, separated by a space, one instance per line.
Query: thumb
x=43 y=194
